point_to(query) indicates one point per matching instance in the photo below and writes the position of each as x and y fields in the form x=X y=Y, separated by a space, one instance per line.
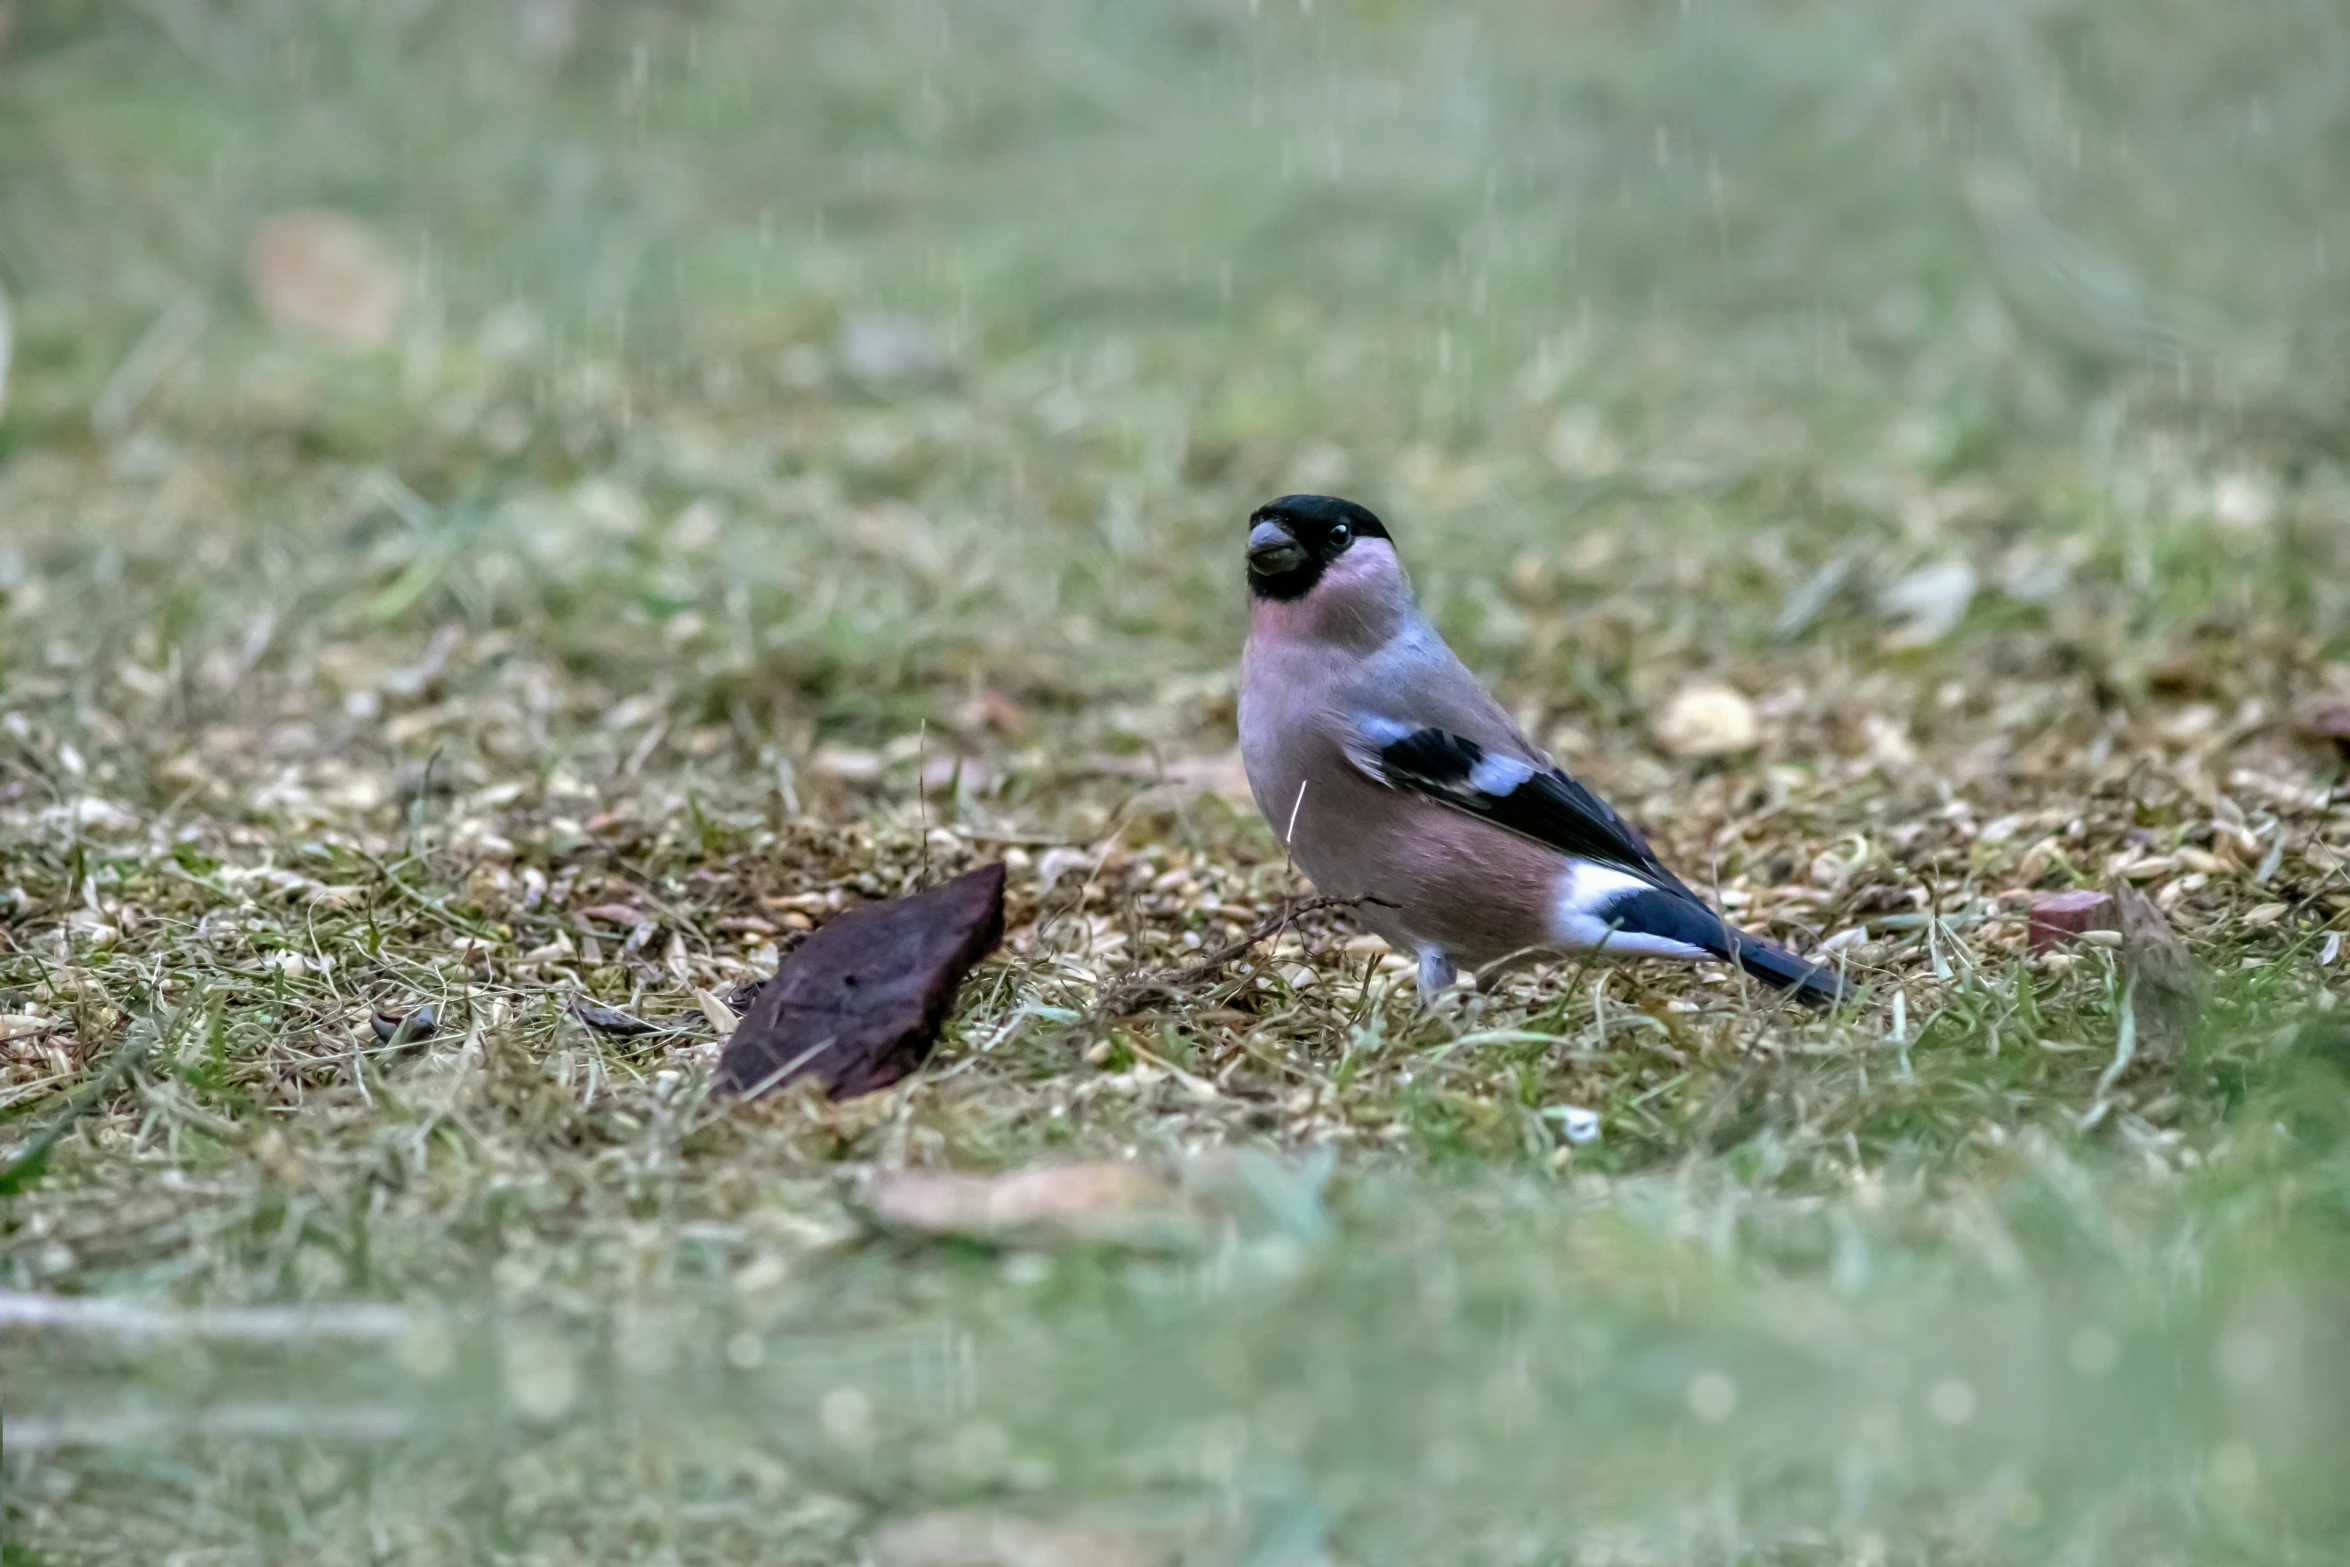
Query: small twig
x=644 y=749
x=418 y=806
x=1131 y=992
x=1025 y=840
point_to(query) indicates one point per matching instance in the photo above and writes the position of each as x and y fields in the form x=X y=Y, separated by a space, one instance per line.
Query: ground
x=791 y=481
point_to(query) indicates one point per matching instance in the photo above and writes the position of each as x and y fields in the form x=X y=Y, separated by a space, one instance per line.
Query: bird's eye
x=1341 y=536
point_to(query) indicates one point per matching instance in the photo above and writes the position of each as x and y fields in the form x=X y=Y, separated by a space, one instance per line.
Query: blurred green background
x=1733 y=288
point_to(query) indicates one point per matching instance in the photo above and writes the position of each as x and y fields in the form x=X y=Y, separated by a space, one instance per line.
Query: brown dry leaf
x=859 y=1004
x=1052 y=1204
x=328 y=275
x=1708 y=720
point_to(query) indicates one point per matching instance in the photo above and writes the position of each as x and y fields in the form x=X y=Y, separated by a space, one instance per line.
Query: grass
x=634 y=575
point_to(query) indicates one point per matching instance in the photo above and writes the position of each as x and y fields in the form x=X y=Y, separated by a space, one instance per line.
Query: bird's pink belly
x=1430 y=875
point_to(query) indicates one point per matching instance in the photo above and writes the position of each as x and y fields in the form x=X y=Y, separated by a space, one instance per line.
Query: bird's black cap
x=1303 y=514
x=1308 y=533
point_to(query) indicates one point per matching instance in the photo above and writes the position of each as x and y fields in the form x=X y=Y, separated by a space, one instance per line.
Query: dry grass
x=543 y=654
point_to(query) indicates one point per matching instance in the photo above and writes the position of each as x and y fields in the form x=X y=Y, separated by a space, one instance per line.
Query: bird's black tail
x=1680 y=915
x=1775 y=965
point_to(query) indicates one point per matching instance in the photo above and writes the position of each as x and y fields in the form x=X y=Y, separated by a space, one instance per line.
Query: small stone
x=1708 y=720
x=876 y=349
x=2243 y=500
x=330 y=276
x=390 y=1028
x=849 y=764
x=1576 y=1124
x=2060 y=919
x=1928 y=604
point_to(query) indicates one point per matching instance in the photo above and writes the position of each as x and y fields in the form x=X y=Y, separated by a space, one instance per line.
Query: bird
x=1399 y=785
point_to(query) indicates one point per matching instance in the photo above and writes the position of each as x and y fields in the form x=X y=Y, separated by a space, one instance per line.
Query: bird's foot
x=1437 y=975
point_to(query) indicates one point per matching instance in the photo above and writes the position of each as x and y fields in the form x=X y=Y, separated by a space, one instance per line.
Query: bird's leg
x=1436 y=974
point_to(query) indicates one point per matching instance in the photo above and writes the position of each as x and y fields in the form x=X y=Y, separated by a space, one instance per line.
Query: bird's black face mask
x=1293 y=540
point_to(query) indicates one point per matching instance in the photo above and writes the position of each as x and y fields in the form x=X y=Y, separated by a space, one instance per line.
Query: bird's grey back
x=1417 y=679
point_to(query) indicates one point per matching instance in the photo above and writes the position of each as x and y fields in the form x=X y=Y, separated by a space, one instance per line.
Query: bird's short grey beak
x=1273 y=549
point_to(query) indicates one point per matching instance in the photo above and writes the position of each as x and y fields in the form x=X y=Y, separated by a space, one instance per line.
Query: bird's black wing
x=1537 y=802
x=1544 y=804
